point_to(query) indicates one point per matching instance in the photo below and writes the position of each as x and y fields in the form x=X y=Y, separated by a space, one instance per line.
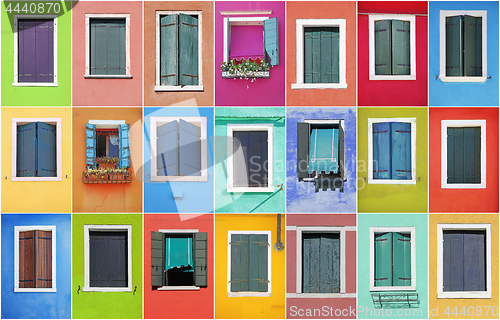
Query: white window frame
x=248 y=293
x=371 y=38
x=158 y=86
x=53 y=121
x=443 y=14
x=198 y=121
x=231 y=128
x=16 y=82
x=411 y=231
x=300 y=25
x=18 y=229
x=445 y=124
x=413 y=122
x=463 y=294
x=120 y=16
x=249 y=21
x=86 y=239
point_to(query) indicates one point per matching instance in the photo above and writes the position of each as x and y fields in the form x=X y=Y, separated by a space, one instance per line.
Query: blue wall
x=196 y=196
x=300 y=196
x=466 y=93
x=39 y=305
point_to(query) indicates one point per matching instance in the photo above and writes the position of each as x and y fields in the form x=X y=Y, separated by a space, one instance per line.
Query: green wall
x=392 y=197
x=365 y=303
x=245 y=202
x=108 y=305
x=37 y=96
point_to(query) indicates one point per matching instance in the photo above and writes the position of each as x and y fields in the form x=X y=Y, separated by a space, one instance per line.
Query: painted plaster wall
x=245 y=202
x=263 y=92
x=107 y=197
x=301 y=196
x=272 y=307
x=196 y=196
x=106 y=305
x=37 y=305
x=37 y=96
x=465 y=93
x=342 y=303
x=392 y=197
x=166 y=304
x=45 y=196
x=204 y=98
x=365 y=303
x=107 y=92
x=321 y=10
x=392 y=92
x=442 y=304
x=463 y=200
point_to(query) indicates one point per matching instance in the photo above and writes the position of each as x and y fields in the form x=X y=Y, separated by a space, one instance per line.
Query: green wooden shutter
x=332 y=56
x=26 y=150
x=401 y=151
x=383 y=259
x=401 y=260
x=271 y=42
x=258 y=281
x=473 y=46
x=400 y=47
x=383 y=47
x=90 y=142
x=321 y=55
x=312 y=55
x=46 y=150
x=454 y=46
x=341 y=152
x=98 y=47
x=26 y=259
x=321 y=263
x=189 y=149
x=239 y=262
x=302 y=150
x=124 y=145
x=157 y=259
x=116 y=49
x=464 y=155
x=188 y=49
x=169 y=47
x=200 y=259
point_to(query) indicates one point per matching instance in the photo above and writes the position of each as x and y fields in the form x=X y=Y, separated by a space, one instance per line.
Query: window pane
x=324 y=150
x=250 y=163
x=321 y=262
x=108 y=259
x=107 y=47
x=247 y=41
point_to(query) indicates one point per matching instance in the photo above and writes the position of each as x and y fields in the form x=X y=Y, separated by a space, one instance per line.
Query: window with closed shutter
x=464 y=155
x=107 y=46
x=321 y=262
x=321 y=54
x=35 y=259
x=250 y=166
x=392 y=47
x=36 y=154
x=108 y=265
x=464 y=46
x=392 y=259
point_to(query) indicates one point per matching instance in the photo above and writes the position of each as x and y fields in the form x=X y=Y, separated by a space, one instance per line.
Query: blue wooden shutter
x=473 y=46
x=271 y=42
x=169 y=50
x=383 y=259
x=382 y=151
x=90 y=142
x=46 y=150
x=167 y=149
x=116 y=40
x=240 y=262
x=453 y=260
x=474 y=261
x=303 y=130
x=26 y=157
x=454 y=46
x=401 y=260
x=124 y=145
x=108 y=259
x=400 y=47
x=321 y=263
x=401 y=150
x=200 y=259
x=157 y=259
x=383 y=47
x=189 y=149
x=188 y=49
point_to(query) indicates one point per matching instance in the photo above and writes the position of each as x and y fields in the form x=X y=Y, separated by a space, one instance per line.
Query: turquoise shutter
x=188 y=50
x=454 y=46
x=240 y=262
x=401 y=150
x=383 y=259
x=46 y=150
x=98 y=47
x=167 y=155
x=200 y=259
x=271 y=42
x=169 y=47
x=90 y=142
x=383 y=47
x=401 y=259
x=124 y=145
x=321 y=55
x=400 y=47
x=473 y=46
x=116 y=39
x=382 y=151
x=309 y=61
x=157 y=259
x=190 y=149
x=302 y=150
x=26 y=150
x=331 y=55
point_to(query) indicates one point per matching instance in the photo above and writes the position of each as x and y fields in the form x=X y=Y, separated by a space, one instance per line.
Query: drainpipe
x=278 y=246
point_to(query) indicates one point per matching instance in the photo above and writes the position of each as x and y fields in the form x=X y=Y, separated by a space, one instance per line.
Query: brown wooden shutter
x=26 y=259
x=43 y=259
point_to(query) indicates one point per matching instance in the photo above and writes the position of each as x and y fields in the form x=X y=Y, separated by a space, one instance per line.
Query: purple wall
x=239 y=92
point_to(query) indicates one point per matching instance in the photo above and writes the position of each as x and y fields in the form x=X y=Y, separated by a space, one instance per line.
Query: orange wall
x=204 y=98
x=107 y=197
x=321 y=10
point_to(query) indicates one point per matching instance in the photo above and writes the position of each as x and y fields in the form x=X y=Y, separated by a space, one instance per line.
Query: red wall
x=178 y=304
x=392 y=92
x=463 y=200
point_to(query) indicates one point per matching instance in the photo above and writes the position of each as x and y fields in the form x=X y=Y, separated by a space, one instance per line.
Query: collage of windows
x=249 y=159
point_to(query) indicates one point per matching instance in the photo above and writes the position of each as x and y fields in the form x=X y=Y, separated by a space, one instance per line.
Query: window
x=179 y=148
x=249 y=263
x=35 y=259
x=463 y=46
x=464 y=261
x=178 y=51
x=463 y=154
x=107 y=51
x=321 y=54
x=35 y=50
x=250 y=158
x=36 y=149
x=320 y=153
x=392 y=47
x=178 y=259
x=392 y=150
x=107 y=138
x=392 y=259
x=108 y=258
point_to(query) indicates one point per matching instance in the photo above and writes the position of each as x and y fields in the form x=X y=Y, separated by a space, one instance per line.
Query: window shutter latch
x=135 y=289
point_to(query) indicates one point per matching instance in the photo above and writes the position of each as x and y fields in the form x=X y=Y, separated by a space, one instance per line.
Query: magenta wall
x=262 y=92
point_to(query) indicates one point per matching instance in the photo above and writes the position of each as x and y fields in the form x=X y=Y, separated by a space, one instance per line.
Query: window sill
x=387 y=181
x=179 y=288
x=179 y=178
x=402 y=288
x=258 y=74
x=35 y=84
x=179 y=88
x=391 y=77
x=250 y=189
x=465 y=295
x=103 y=76
x=103 y=289
x=35 y=289
x=462 y=79
x=249 y=294
x=463 y=186
x=319 y=85
x=41 y=179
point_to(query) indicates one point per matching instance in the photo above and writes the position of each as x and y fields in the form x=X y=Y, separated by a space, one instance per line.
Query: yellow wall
x=36 y=196
x=272 y=307
x=442 y=304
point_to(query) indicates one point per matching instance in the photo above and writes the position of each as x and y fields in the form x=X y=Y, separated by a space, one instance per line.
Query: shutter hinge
x=380 y=239
x=404 y=278
x=376 y=279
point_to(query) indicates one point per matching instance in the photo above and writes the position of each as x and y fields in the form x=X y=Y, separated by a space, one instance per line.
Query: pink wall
x=392 y=92
x=107 y=92
x=239 y=92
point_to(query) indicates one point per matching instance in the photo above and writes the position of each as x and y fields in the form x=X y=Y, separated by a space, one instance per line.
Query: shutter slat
x=271 y=42
x=157 y=259
x=302 y=149
x=169 y=44
x=167 y=158
x=189 y=149
x=401 y=150
x=188 y=50
x=382 y=151
x=454 y=46
x=383 y=36
x=400 y=47
x=124 y=145
x=46 y=150
x=200 y=255
x=26 y=150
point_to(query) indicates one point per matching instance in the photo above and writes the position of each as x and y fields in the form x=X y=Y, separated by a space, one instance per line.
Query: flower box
x=241 y=75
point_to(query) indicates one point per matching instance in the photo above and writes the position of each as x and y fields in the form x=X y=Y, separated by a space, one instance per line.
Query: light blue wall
x=39 y=305
x=465 y=93
x=300 y=196
x=196 y=196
